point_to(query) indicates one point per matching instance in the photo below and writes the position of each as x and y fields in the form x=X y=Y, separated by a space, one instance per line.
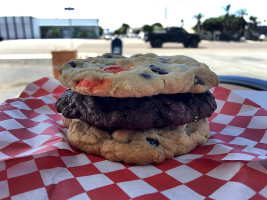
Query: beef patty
x=137 y=113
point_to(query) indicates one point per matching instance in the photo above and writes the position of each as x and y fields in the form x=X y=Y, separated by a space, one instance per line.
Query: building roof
x=66 y=22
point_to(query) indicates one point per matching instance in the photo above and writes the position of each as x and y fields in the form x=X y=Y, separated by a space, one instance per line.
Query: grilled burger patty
x=137 y=113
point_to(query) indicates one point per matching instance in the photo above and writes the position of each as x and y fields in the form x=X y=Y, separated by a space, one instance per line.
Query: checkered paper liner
x=36 y=162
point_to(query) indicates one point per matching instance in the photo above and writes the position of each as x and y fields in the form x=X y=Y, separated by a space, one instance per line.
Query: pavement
x=24 y=61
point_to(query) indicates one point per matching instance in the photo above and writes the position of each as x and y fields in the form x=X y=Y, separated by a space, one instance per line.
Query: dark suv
x=172 y=34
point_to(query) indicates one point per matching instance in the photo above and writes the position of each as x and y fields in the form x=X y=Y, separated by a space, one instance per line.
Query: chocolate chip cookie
x=137 y=113
x=139 y=147
x=137 y=76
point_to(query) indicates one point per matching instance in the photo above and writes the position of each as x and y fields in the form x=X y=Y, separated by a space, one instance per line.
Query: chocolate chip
x=107 y=55
x=187 y=129
x=136 y=55
x=158 y=70
x=198 y=81
x=184 y=67
x=146 y=75
x=71 y=63
x=163 y=60
x=154 y=142
x=77 y=82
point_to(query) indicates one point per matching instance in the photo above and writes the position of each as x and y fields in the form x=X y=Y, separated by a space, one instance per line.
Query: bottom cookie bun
x=129 y=146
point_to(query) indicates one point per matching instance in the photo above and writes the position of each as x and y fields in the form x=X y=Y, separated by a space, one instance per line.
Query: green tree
x=229 y=26
x=152 y=28
x=157 y=27
x=122 y=30
x=100 y=29
x=253 y=22
x=147 y=28
x=253 y=19
x=213 y=24
x=116 y=32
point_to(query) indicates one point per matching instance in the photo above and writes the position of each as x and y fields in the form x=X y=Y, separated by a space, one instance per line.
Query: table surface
x=232 y=164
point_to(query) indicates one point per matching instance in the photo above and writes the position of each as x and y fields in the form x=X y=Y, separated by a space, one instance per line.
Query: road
x=23 y=61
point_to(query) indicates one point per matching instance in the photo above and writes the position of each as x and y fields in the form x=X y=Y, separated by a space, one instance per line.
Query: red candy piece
x=94 y=85
x=83 y=83
x=113 y=69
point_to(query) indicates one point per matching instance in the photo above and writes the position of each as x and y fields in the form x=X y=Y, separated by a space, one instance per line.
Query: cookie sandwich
x=138 y=110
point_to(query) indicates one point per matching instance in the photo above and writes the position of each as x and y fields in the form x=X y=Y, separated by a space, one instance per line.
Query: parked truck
x=172 y=34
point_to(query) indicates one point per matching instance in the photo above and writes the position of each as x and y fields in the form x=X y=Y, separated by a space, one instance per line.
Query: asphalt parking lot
x=24 y=61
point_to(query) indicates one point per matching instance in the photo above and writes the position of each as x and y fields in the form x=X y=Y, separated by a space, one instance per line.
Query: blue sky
x=112 y=13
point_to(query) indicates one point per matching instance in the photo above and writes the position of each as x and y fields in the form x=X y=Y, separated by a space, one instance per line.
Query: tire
x=152 y=44
x=186 y=44
x=194 y=43
x=157 y=43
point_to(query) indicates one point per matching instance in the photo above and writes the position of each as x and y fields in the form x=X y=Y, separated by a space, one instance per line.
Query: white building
x=33 y=28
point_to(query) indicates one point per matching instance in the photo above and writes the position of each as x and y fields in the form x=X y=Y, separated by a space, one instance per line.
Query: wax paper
x=36 y=161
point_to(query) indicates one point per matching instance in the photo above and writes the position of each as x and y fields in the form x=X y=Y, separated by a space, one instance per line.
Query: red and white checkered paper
x=36 y=162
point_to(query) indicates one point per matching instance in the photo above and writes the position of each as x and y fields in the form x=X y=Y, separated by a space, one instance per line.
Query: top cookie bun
x=137 y=76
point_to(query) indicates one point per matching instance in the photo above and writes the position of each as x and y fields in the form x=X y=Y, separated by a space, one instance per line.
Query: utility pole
x=70 y=26
x=166 y=15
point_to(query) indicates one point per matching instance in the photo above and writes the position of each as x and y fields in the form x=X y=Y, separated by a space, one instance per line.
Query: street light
x=70 y=25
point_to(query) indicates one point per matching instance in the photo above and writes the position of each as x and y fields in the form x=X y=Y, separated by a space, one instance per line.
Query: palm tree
x=227 y=9
x=198 y=17
x=227 y=14
x=226 y=24
x=241 y=12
